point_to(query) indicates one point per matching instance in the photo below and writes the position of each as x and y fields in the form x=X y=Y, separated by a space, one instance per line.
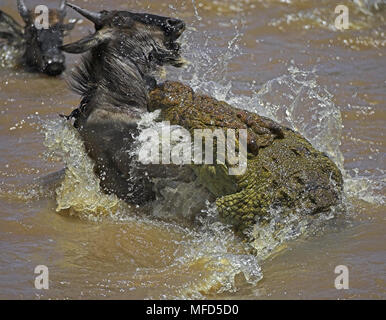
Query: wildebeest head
x=147 y=39
x=43 y=45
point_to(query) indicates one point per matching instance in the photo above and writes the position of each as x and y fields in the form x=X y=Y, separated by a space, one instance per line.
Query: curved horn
x=92 y=16
x=62 y=9
x=23 y=10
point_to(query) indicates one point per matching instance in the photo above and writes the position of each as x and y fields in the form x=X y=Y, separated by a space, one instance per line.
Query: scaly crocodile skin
x=284 y=170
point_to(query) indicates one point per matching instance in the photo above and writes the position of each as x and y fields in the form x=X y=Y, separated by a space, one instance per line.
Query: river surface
x=283 y=59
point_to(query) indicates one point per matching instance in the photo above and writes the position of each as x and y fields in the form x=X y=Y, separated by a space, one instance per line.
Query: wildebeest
x=124 y=54
x=40 y=46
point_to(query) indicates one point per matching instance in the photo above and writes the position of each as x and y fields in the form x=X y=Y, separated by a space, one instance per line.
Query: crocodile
x=283 y=170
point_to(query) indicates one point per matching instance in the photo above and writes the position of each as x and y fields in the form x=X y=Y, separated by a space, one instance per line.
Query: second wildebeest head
x=42 y=43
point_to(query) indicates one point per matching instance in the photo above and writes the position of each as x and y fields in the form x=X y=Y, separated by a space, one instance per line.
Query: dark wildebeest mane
x=121 y=72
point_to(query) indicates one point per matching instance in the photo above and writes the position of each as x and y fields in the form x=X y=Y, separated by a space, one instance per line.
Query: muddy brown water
x=284 y=59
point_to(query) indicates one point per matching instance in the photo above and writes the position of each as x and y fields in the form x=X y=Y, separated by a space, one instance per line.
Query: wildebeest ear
x=84 y=44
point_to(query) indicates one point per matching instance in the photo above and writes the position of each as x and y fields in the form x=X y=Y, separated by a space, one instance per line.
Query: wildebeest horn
x=92 y=16
x=23 y=10
x=62 y=9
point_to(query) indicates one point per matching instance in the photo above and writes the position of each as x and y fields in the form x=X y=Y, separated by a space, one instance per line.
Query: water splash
x=9 y=55
x=297 y=101
x=209 y=258
x=208 y=73
x=196 y=10
x=80 y=190
x=368 y=189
